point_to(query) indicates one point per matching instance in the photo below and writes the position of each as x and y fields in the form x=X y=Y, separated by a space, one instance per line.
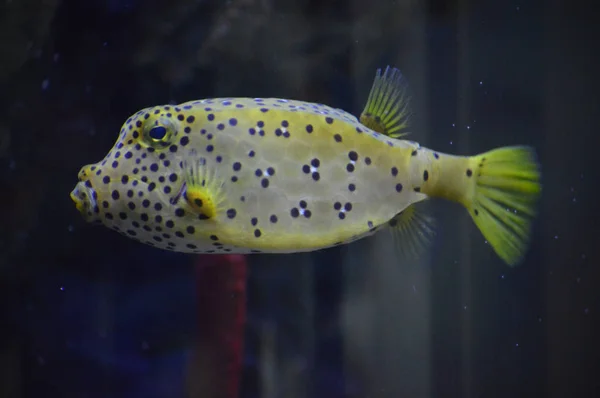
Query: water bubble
x=45 y=84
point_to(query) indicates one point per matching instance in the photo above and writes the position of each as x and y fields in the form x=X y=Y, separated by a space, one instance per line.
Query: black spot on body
x=179 y=212
x=425 y=175
x=231 y=213
x=469 y=172
x=353 y=156
x=337 y=138
x=257 y=233
x=398 y=187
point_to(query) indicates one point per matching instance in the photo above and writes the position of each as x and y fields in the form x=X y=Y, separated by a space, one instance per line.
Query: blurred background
x=87 y=313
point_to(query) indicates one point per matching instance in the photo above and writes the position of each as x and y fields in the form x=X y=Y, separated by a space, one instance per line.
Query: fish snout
x=85 y=196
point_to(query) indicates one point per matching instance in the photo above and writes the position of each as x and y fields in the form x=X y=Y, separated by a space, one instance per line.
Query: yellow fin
x=504 y=202
x=387 y=110
x=203 y=189
x=413 y=231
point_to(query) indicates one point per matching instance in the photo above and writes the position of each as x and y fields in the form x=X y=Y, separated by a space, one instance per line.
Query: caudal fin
x=504 y=201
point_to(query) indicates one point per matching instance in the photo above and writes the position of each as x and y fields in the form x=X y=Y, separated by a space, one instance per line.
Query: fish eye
x=158 y=132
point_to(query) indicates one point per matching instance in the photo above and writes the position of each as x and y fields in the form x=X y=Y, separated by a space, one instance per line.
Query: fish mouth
x=85 y=199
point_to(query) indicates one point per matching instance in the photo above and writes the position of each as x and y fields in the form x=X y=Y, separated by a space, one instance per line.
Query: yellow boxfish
x=253 y=175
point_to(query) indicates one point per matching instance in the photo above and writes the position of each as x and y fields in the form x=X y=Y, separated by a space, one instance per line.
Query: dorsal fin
x=387 y=109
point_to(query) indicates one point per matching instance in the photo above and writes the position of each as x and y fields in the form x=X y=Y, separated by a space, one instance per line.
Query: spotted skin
x=295 y=176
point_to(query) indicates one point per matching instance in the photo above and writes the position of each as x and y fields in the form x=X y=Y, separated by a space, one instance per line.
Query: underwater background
x=88 y=313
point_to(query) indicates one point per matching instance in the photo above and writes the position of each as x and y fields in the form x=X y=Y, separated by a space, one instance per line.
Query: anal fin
x=413 y=231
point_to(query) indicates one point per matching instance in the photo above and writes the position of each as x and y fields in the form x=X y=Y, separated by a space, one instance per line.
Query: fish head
x=133 y=187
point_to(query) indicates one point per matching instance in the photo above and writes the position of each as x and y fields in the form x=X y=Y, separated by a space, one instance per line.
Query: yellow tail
x=504 y=200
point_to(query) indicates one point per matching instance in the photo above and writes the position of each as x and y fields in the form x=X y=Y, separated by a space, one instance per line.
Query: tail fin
x=504 y=200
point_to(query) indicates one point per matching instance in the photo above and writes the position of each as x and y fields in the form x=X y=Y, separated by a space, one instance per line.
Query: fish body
x=247 y=175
